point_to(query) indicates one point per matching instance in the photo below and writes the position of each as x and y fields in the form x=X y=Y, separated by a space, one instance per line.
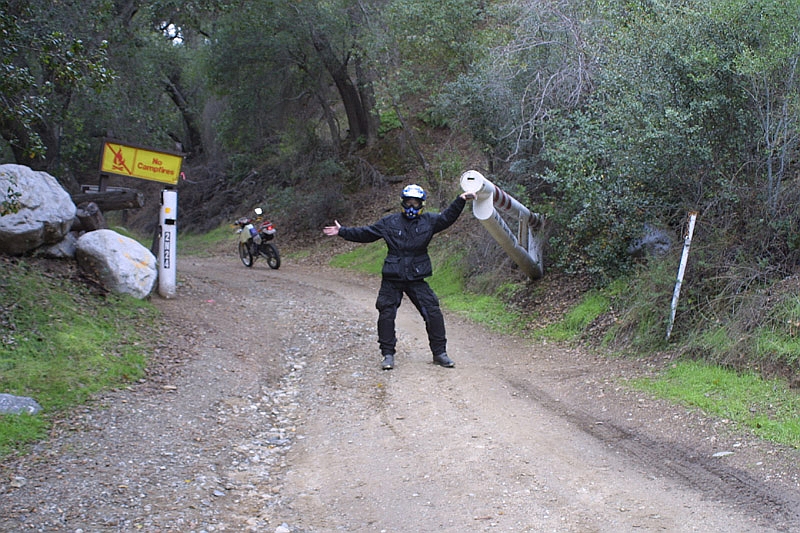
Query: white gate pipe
x=167 y=243
x=525 y=249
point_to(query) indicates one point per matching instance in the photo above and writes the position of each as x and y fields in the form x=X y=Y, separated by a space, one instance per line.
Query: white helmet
x=413 y=191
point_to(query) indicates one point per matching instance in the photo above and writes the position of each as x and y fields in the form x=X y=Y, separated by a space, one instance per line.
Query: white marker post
x=525 y=248
x=687 y=242
x=167 y=243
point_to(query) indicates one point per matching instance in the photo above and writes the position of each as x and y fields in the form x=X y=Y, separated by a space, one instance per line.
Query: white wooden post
x=167 y=243
x=687 y=242
x=524 y=248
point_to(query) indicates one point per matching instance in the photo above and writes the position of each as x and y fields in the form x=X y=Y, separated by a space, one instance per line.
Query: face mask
x=410 y=211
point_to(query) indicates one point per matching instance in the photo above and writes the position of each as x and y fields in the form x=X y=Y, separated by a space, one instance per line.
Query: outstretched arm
x=332 y=230
x=446 y=218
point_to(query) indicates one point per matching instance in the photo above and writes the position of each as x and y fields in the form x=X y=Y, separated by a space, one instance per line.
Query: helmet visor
x=414 y=203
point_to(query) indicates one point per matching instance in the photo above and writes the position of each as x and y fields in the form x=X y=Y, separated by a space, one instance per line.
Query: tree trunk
x=358 y=111
x=330 y=118
x=112 y=199
x=366 y=92
x=192 y=141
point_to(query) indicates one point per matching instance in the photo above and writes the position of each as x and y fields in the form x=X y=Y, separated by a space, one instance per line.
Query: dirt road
x=269 y=412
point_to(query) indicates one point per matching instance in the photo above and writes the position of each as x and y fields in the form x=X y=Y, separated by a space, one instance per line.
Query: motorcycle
x=254 y=237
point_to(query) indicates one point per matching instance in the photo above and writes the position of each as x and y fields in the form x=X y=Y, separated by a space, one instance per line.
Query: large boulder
x=119 y=263
x=35 y=209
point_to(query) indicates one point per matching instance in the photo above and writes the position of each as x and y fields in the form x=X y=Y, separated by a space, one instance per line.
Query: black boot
x=443 y=360
x=388 y=361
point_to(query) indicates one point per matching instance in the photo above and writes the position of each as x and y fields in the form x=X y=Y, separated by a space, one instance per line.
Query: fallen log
x=111 y=199
x=88 y=217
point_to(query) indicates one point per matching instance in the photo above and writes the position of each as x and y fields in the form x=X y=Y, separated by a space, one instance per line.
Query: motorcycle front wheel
x=270 y=251
x=245 y=254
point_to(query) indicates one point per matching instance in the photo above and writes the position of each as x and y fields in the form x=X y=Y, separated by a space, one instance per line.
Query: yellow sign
x=138 y=162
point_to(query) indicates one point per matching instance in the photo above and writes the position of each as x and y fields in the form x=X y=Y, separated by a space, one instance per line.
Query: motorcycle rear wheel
x=245 y=254
x=270 y=251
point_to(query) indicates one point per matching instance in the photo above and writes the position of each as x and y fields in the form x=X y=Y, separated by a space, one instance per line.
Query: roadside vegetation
x=766 y=407
x=63 y=341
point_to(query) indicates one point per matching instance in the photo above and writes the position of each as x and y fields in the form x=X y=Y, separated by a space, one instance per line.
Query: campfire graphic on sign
x=119 y=160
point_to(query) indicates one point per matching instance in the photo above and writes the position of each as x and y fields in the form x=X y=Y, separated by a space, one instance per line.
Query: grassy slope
x=62 y=341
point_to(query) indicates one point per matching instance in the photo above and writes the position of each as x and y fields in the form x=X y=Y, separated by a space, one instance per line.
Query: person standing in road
x=406 y=266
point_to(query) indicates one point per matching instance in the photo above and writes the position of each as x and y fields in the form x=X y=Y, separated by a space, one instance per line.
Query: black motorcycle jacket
x=407 y=240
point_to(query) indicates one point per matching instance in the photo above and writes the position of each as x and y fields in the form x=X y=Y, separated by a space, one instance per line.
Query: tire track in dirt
x=705 y=474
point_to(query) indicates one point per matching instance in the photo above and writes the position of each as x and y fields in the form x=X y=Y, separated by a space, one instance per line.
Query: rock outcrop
x=35 y=210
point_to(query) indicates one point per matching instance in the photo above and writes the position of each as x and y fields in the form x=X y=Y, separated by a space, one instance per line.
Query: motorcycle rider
x=406 y=266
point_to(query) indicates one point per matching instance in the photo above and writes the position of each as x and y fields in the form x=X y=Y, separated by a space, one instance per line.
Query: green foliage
x=765 y=56
x=436 y=33
x=389 y=121
x=16 y=430
x=648 y=134
x=575 y=322
x=48 y=55
x=308 y=207
x=433 y=118
x=16 y=82
x=778 y=346
x=532 y=67
x=280 y=65
x=767 y=330
x=449 y=166
x=758 y=328
x=762 y=332
x=470 y=102
x=10 y=203
x=200 y=244
x=364 y=258
x=767 y=407
x=777 y=339
x=645 y=307
x=60 y=344
x=664 y=124
x=487 y=309
x=421 y=43
x=599 y=211
x=619 y=112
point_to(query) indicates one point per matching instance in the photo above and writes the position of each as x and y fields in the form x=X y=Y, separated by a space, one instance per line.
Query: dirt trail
x=278 y=418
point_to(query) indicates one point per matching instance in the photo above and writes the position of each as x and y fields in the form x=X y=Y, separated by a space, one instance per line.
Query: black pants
x=427 y=303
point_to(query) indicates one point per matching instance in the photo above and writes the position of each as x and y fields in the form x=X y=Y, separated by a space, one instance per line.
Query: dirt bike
x=254 y=235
